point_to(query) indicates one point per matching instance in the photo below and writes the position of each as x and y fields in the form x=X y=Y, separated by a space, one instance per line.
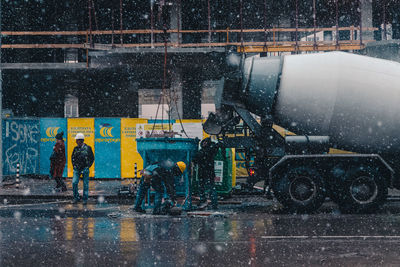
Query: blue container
x=174 y=149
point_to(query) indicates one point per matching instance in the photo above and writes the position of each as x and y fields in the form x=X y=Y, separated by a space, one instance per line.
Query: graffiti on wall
x=21 y=145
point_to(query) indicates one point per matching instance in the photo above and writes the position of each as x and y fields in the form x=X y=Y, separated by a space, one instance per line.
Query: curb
x=22 y=212
x=47 y=198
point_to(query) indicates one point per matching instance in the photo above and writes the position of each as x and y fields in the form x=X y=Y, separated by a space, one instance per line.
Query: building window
x=71 y=107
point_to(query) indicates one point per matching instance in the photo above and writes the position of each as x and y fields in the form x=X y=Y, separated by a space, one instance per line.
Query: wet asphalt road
x=51 y=234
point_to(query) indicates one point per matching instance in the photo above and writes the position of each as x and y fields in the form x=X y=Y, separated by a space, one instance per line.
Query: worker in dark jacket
x=57 y=162
x=205 y=162
x=157 y=175
x=82 y=159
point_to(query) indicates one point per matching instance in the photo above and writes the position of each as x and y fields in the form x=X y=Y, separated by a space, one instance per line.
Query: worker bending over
x=157 y=175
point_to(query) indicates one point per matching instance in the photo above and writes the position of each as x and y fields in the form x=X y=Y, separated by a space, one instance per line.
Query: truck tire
x=363 y=191
x=300 y=190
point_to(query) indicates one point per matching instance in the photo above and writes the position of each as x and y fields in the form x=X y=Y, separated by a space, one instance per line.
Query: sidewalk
x=31 y=189
x=34 y=190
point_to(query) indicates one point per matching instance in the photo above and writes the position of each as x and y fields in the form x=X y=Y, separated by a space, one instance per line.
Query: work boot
x=175 y=211
x=167 y=205
x=75 y=201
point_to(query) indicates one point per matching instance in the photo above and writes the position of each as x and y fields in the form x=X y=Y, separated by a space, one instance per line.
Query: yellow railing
x=271 y=44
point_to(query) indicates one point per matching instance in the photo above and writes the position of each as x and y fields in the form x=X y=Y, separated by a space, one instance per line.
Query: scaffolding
x=296 y=39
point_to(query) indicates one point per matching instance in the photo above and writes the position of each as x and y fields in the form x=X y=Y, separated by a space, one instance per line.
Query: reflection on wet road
x=238 y=239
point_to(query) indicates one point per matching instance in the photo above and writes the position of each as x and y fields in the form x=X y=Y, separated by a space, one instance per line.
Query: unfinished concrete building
x=101 y=58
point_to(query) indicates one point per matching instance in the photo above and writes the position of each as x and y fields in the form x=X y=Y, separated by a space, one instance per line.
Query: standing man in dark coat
x=206 y=174
x=82 y=158
x=57 y=162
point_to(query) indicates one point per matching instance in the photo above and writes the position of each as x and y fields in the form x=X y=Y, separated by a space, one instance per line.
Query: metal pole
x=17 y=181
x=120 y=20
x=95 y=17
x=297 y=25
x=90 y=24
x=179 y=21
x=241 y=25
x=360 y=7
x=315 y=25
x=136 y=178
x=152 y=23
x=337 y=23
x=87 y=51
x=1 y=107
x=265 y=26
x=209 y=22
x=384 y=20
x=112 y=27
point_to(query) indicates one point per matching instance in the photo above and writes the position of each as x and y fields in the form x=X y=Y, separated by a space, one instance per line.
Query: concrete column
x=191 y=94
x=71 y=99
x=71 y=105
x=129 y=100
x=208 y=97
x=175 y=20
x=71 y=54
x=284 y=22
x=285 y=19
x=148 y=101
x=366 y=19
x=396 y=23
x=176 y=95
x=150 y=98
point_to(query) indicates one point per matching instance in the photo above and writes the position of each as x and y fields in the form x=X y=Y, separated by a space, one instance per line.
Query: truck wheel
x=363 y=191
x=300 y=190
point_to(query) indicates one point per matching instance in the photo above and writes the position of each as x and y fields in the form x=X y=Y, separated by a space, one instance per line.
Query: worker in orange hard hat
x=156 y=175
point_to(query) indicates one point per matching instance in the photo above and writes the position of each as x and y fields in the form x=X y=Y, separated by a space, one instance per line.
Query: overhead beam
x=149 y=31
x=42 y=66
x=250 y=47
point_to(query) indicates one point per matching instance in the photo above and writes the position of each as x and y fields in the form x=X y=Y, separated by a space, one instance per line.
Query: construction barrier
x=129 y=154
x=85 y=126
x=49 y=127
x=107 y=145
x=30 y=141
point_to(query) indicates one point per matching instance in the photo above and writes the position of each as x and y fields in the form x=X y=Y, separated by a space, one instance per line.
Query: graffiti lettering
x=21 y=145
x=28 y=160
x=24 y=133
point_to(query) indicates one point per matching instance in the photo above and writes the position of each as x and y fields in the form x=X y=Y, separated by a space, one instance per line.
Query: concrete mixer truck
x=329 y=100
